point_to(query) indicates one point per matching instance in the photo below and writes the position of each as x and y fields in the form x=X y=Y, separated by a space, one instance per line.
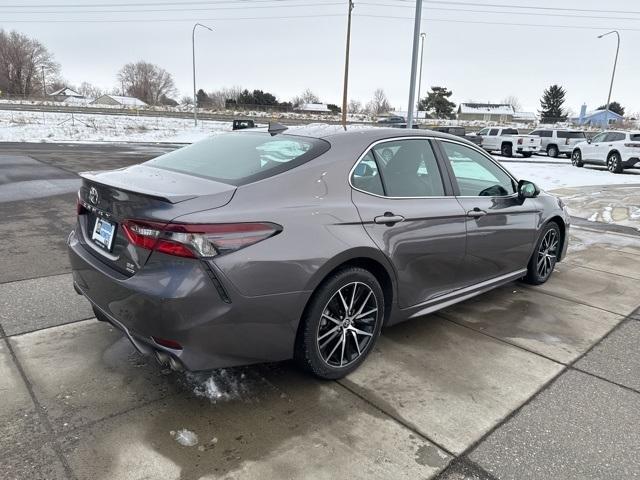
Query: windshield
x=241 y=158
x=570 y=134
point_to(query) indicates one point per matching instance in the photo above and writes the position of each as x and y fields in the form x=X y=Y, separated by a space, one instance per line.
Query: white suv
x=617 y=150
x=559 y=141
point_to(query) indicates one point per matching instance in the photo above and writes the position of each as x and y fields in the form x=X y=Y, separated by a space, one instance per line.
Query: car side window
x=599 y=138
x=535 y=133
x=409 y=168
x=366 y=176
x=484 y=131
x=546 y=133
x=476 y=175
x=493 y=132
x=615 y=137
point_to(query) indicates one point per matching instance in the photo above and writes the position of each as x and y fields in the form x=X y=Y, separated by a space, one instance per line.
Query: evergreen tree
x=437 y=103
x=202 y=98
x=551 y=103
x=613 y=107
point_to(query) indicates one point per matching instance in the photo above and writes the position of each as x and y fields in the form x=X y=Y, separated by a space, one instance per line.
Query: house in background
x=525 y=117
x=117 y=100
x=312 y=108
x=65 y=93
x=487 y=112
x=596 y=118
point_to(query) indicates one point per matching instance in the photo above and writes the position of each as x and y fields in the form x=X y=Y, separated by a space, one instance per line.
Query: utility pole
x=44 y=86
x=193 y=51
x=414 y=63
x=422 y=37
x=346 y=69
x=613 y=75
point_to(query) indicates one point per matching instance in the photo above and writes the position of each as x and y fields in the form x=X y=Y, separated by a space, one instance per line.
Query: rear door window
x=509 y=131
x=409 y=169
x=615 y=137
x=546 y=133
x=562 y=134
x=242 y=157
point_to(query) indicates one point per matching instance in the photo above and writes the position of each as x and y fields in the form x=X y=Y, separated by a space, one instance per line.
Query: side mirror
x=527 y=189
x=588 y=140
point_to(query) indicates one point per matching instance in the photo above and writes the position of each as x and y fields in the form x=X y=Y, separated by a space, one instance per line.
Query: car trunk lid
x=107 y=199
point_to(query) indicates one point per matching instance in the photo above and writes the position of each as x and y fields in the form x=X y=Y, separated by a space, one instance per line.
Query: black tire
x=553 y=151
x=506 y=150
x=324 y=316
x=576 y=159
x=526 y=154
x=545 y=255
x=614 y=163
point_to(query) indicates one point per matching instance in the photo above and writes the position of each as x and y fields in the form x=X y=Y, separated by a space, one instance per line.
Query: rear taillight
x=520 y=141
x=632 y=145
x=80 y=210
x=566 y=142
x=197 y=240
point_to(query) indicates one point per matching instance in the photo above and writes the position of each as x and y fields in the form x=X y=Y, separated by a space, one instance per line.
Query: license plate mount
x=104 y=233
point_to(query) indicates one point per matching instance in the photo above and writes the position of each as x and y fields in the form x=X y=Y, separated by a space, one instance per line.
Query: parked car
x=242 y=124
x=391 y=119
x=265 y=245
x=508 y=141
x=616 y=150
x=459 y=132
x=557 y=141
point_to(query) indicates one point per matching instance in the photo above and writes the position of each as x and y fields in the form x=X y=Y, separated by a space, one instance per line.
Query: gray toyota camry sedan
x=265 y=245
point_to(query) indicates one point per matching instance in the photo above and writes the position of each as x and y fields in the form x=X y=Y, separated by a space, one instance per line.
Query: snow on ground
x=19 y=126
x=550 y=176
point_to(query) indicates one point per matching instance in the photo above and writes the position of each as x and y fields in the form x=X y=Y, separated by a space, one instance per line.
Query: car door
x=595 y=152
x=490 y=142
x=501 y=228
x=407 y=208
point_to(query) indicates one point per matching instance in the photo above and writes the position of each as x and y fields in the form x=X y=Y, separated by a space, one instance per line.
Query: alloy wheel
x=347 y=325
x=547 y=254
x=612 y=163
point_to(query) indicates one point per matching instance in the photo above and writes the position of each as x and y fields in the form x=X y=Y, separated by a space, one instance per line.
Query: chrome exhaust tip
x=175 y=365
x=162 y=358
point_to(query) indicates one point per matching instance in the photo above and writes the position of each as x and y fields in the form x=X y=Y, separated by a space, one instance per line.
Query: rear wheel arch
x=366 y=260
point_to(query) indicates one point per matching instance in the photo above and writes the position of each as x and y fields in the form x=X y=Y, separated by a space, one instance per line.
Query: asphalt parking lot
x=521 y=383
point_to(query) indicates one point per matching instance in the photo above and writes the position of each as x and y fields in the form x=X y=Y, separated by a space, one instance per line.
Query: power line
x=49 y=12
x=169 y=20
x=479 y=22
x=465 y=10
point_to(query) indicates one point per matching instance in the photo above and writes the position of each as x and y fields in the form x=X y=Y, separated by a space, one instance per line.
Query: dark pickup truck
x=459 y=132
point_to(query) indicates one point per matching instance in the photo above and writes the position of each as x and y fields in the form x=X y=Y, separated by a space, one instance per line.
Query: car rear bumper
x=189 y=302
x=527 y=148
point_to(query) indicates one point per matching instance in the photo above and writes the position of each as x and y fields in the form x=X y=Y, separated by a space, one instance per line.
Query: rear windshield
x=570 y=134
x=241 y=158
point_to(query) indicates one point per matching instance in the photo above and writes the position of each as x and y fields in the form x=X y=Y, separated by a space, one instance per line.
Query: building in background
x=312 y=108
x=117 y=100
x=486 y=112
x=65 y=94
x=596 y=118
x=525 y=117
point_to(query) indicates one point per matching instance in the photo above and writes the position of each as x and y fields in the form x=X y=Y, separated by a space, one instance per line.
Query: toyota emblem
x=93 y=195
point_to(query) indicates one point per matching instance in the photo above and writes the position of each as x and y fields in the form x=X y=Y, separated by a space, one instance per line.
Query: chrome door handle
x=388 y=219
x=476 y=213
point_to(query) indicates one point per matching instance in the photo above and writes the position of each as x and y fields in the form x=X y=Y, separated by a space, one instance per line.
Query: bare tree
x=379 y=103
x=186 y=100
x=23 y=61
x=219 y=98
x=354 y=106
x=88 y=90
x=514 y=102
x=146 y=81
x=306 y=97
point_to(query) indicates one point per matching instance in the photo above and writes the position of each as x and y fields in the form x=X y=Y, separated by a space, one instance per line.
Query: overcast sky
x=479 y=62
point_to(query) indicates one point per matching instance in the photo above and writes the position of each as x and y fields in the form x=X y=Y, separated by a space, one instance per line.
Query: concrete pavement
x=523 y=382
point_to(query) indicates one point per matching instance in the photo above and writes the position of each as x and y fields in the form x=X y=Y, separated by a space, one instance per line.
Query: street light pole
x=346 y=69
x=613 y=75
x=422 y=37
x=193 y=51
x=414 y=63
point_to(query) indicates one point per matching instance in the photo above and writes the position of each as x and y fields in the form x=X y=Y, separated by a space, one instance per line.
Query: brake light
x=566 y=142
x=632 y=145
x=197 y=240
x=520 y=141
